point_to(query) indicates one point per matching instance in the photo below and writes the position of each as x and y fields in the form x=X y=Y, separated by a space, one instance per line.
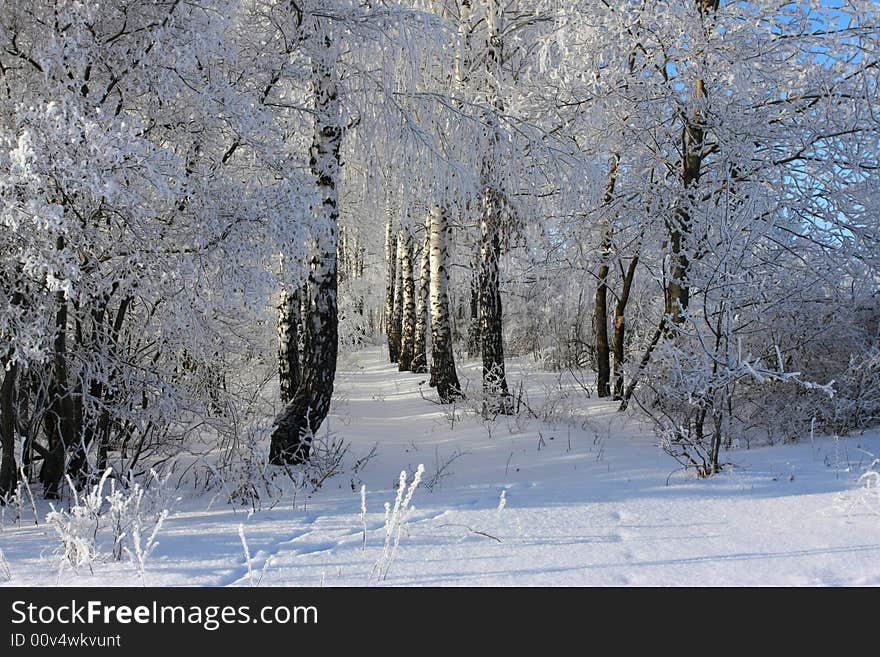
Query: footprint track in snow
x=295 y=545
x=261 y=556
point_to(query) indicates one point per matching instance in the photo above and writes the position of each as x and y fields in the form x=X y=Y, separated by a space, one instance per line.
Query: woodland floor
x=590 y=500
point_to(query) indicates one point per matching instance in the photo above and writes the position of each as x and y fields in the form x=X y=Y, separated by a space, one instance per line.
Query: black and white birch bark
x=397 y=311
x=301 y=418
x=288 y=344
x=420 y=358
x=390 y=286
x=495 y=390
x=443 y=361
x=408 y=305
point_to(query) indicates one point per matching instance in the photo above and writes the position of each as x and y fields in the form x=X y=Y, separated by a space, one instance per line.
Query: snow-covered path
x=590 y=503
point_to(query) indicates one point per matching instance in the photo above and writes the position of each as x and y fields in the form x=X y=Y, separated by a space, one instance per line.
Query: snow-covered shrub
x=243 y=473
x=700 y=387
x=327 y=459
x=78 y=528
x=825 y=342
x=697 y=415
x=245 y=476
x=865 y=495
x=98 y=527
x=857 y=402
x=135 y=509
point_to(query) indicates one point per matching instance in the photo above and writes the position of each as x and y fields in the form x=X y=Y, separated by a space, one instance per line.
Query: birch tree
x=442 y=358
x=301 y=418
x=420 y=360
x=491 y=335
x=408 y=301
x=288 y=344
x=391 y=287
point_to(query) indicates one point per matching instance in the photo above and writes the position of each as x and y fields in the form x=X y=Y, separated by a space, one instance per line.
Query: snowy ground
x=586 y=504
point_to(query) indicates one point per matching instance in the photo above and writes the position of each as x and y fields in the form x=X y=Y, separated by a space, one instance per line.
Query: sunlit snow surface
x=590 y=505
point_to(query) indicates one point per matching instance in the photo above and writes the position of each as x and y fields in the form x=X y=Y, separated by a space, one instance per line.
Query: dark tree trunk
x=497 y=396
x=646 y=358
x=473 y=346
x=677 y=290
x=301 y=418
x=600 y=316
x=60 y=417
x=8 y=467
x=618 y=346
x=620 y=328
x=26 y=400
x=603 y=366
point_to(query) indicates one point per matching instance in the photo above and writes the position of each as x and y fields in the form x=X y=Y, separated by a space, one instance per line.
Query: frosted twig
x=364 y=515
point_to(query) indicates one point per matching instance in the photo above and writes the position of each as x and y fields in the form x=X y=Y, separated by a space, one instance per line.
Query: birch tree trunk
x=443 y=361
x=397 y=312
x=408 y=306
x=301 y=418
x=420 y=359
x=357 y=273
x=497 y=396
x=288 y=345
x=342 y=258
x=390 y=288
x=473 y=345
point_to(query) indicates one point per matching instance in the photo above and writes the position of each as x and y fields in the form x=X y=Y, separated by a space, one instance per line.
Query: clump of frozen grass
x=140 y=550
x=5 y=570
x=77 y=529
x=395 y=519
x=11 y=502
x=131 y=514
x=137 y=509
x=24 y=486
